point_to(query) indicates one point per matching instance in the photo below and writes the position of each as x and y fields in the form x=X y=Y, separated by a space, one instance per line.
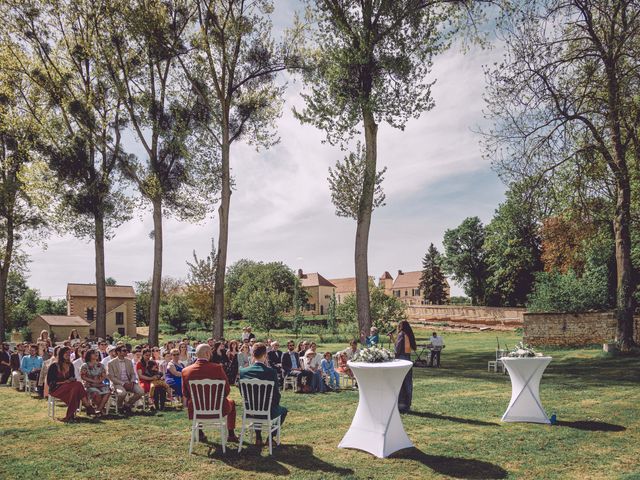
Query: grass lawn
x=455 y=425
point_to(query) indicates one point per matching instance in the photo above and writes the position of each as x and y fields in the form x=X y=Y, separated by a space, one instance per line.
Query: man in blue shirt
x=31 y=364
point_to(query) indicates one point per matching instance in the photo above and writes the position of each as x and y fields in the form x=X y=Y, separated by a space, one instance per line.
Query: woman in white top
x=183 y=356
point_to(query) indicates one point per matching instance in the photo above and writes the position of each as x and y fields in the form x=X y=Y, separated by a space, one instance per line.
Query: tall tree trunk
x=156 y=279
x=101 y=289
x=625 y=285
x=223 y=238
x=364 y=223
x=4 y=273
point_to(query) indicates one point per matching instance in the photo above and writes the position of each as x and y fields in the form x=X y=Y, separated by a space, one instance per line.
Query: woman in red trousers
x=63 y=385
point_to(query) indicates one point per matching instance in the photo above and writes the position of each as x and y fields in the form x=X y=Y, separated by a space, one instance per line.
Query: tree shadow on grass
x=469 y=421
x=453 y=466
x=592 y=426
x=297 y=456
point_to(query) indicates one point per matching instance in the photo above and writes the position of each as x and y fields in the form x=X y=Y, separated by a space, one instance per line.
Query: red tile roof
x=386 y=276
x=89 y=290
x=409 y=280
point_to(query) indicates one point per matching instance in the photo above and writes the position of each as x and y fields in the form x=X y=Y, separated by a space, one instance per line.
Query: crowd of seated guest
x=78 y=372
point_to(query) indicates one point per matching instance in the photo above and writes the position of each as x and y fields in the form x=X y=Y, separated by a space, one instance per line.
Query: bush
x=566 y=292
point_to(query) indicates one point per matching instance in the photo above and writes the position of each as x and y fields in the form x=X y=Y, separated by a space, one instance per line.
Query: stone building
x=319 y=291
x=121 y=307
x=59 y=326
x=406 y=287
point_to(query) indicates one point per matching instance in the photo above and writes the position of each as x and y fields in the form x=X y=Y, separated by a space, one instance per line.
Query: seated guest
x=5 y=363
x=31 y=364
x=373 y=338
x=159 y=387
x=173 y=377
x=343 y=367
x=291 y=365
x=327 y=369
x=218 y=354
x=74 y=337
x=184 y=358
x=141 y=368
x=63 y=385
x=275 y=356
x=312 y=364
x=166 y=358
x=111 y=354
x=232 y=361
x=93 y=375
x=167 y=347
x=122 y=376
x=44 y=337
x=42 y=378
x=352 y=350
x=102 y=350
x=17 y=377
x=302 y=348
x=203 y=369
x=261 y=371
x=244 y=356
x=156 y=355
x=80 y=352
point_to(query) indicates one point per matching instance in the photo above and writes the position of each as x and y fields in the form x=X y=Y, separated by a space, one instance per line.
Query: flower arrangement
x=522 y=350
x=373 y=354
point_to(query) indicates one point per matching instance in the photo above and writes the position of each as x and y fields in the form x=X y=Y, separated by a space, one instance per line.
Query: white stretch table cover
x=525 y=374
x=376 y=427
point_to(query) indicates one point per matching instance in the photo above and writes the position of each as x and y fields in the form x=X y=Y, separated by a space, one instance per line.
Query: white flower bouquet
x=522 y=350
x=373 y=354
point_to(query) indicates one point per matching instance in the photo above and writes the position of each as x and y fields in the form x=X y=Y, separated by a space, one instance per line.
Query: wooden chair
x=207 y=397
x=257 y=396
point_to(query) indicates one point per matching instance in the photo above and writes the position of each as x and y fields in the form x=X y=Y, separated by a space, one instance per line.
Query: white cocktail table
x=376 y=427
x=525 y=374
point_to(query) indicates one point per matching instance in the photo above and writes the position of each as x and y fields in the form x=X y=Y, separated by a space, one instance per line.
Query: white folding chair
x=289 y=380
x=207 y=397
x=257 y=396
x=30 y=386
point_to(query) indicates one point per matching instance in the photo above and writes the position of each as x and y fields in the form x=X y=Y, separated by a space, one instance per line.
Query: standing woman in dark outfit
x=405 y=344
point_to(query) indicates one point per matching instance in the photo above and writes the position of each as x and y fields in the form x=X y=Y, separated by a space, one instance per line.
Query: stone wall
x=465 y=316
x=571 y=329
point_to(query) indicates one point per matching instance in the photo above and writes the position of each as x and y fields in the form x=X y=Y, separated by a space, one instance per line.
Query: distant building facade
x=82 y=302
x=319 y=292
x=406 y=287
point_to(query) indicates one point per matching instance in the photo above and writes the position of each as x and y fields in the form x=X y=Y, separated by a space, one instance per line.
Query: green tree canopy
x=465 y=257
x=432 y=282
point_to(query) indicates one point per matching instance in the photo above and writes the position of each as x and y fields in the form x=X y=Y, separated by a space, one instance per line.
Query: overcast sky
x=281 y=208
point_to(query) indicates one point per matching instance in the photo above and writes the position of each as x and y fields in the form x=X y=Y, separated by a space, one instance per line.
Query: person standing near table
x=437 y=344
x=405 y=344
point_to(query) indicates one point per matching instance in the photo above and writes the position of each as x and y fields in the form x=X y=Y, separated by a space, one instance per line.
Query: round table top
x=520 y=359
x=396 y=363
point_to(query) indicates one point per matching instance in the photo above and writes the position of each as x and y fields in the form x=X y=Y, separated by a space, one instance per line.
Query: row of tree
x=565 y=110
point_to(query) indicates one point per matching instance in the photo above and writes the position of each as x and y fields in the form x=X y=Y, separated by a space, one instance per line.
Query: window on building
x=396 y=293
x=327 y=297
x=90 y=314
x=92 y=332
x=121 y=331
x=415 y=292
x=406 y=293
x=310 y=306
x=119 y=318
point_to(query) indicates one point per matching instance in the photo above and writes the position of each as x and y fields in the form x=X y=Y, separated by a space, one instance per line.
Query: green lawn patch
x=455 y=425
